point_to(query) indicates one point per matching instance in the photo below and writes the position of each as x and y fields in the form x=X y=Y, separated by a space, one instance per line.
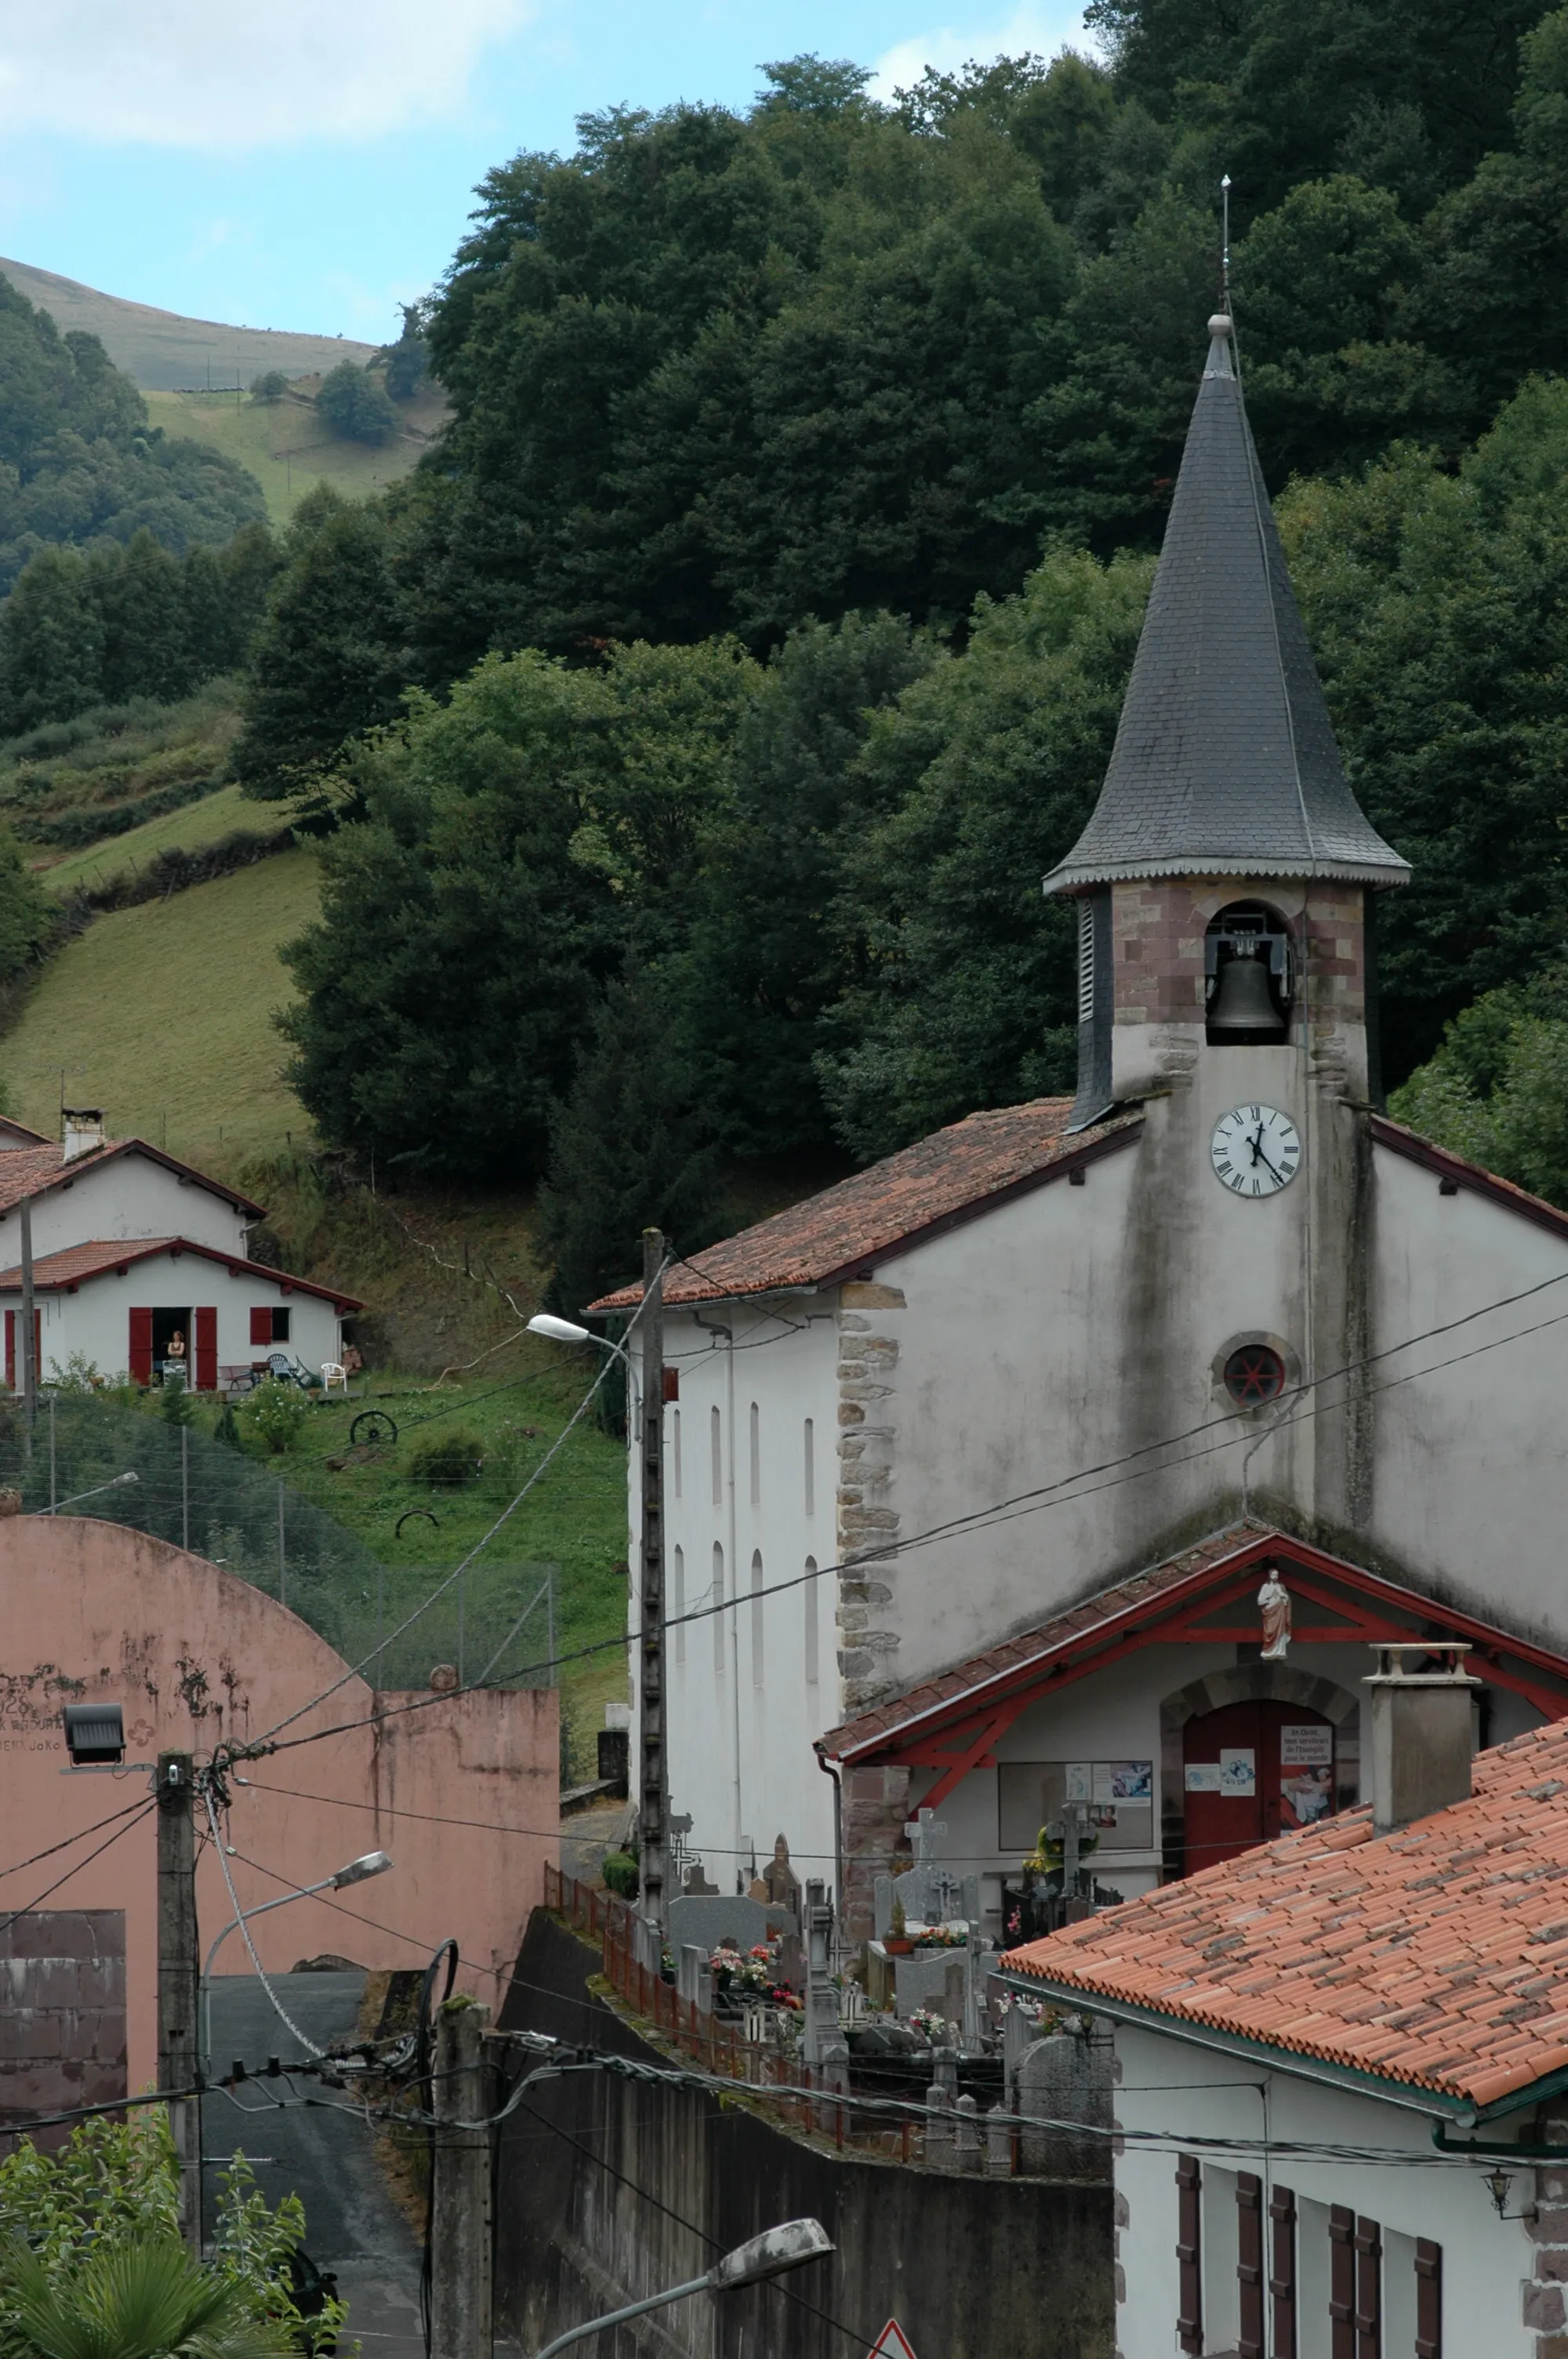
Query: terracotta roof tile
x=948 y=1177
x=77 y=1264
x=1418 y=1963
x=31 y=1170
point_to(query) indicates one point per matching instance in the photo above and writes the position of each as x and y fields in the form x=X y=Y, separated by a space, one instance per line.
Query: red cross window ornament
x=1254 y=1374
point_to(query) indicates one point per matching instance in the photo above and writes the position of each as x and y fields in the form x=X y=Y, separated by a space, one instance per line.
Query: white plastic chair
x=333 y=1372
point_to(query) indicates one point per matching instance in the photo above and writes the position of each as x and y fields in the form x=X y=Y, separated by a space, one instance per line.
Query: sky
x=309 y=164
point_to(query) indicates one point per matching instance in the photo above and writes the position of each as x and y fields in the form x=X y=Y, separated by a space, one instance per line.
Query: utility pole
x=178 y=2047
x=461 y=2230
x=652 y=1786
x=29 y=1362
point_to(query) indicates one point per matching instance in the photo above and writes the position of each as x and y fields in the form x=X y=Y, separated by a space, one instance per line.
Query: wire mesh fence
x=86 y=1456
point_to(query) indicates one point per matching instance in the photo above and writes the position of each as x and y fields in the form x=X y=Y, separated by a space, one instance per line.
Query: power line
x=143 y=1810
x=66 y=1843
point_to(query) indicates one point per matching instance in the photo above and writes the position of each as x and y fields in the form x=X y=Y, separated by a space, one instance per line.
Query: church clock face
x=1256 y=1150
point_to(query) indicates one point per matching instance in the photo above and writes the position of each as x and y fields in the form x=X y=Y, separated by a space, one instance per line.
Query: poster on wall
x=1238 y=1769
x=1132 y=1781
x=1203 y=1777
x=1305 y=1743
x=1306 y=1794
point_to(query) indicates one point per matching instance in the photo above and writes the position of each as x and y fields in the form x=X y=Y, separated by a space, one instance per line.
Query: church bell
x=1243 y=1005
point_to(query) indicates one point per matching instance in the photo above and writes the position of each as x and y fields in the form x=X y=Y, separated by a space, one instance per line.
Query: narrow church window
x=717 y=1437
x=679 y=1572
x=675 y=1449
x=812 y=1670
x=810 y=1468
x=756 y=1617
x=756 y=1456
x=1253 y=1374
x=716 y=1599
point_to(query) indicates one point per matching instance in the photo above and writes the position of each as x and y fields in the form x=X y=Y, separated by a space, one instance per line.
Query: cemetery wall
x=609 y=2188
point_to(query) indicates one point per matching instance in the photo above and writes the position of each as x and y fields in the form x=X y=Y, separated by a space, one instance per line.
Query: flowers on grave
x=953 y=1935
x=1015 y=1922
x=930 y=2026
x=1033 y=2010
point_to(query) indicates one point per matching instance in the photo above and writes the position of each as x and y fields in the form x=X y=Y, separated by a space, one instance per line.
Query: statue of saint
x=1275 y=1600
x=780 y=1883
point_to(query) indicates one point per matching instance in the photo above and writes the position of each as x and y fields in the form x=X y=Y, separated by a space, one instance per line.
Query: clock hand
x=1256 y=1143
x=1269 y=1169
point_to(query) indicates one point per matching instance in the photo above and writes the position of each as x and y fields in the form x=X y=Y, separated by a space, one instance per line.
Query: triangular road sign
x=892 y=2343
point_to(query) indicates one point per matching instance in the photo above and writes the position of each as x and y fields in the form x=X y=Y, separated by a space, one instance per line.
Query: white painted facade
x=1172 y=2092
x=1005 y=1366
x=95 y=1320
x=132 y=1194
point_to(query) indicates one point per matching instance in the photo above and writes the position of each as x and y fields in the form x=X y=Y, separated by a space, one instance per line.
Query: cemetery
x=908 y=2045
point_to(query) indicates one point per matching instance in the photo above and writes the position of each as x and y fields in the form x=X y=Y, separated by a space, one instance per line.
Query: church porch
x=1152 y=1715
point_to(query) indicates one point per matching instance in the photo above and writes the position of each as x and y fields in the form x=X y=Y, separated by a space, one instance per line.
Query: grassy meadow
x=286 y=448
x=195 y=825
x=161 y=1015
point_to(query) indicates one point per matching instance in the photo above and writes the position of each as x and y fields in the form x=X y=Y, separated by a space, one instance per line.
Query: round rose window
x=1254 y=1375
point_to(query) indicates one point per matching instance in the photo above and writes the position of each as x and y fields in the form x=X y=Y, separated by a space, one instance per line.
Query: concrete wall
x=1178 y=2090
x=660 y=2180
x=96 y=1318
x=462 y=1794
x=133 y=1195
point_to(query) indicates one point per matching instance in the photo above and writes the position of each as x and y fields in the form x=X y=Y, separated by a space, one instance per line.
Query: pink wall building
x=462 y=1790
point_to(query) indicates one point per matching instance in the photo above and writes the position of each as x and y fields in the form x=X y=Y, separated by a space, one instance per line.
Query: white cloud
x=235 y=73
x=1040 y=27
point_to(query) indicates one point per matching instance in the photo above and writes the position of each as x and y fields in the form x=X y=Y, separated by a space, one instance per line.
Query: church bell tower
x=1226 y=884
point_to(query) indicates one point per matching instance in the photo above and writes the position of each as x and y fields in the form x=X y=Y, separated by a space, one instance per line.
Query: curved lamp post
x=767 y=2255
x=370 y=1863
x=567 y=1331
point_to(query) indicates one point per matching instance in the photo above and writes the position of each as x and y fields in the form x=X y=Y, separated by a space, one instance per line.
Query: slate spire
x=1224 y=761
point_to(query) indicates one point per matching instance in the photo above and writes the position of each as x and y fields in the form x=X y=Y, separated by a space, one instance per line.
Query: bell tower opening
x=1249 y=976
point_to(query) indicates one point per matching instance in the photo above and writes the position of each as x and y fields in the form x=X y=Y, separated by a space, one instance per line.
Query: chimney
x=1420 y=1714
x=81 y=1131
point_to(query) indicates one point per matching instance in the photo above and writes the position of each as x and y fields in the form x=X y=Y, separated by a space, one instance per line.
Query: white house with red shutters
x=140 y=1262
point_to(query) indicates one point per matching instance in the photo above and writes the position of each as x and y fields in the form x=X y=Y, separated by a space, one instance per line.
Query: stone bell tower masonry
x=1227 y=886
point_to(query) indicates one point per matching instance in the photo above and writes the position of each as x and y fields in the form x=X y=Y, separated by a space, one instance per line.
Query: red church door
x=1253 y=1771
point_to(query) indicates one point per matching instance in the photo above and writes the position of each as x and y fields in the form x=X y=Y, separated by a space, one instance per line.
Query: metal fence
x=495 y=1621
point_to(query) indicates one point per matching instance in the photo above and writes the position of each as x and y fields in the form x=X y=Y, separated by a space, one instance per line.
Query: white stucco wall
x=744 y=1707
x=129 y=1196
x=1172 y=2092
x=95 y=1320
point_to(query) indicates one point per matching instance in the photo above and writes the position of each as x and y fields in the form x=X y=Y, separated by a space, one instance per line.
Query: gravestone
x=696 y=1885
x=1019 y=2033
x=939 y=2127
x=967 y=2135
x=1064 y=2078
x=820 y=2036
x=694 y=1977
x=919 y=1981
x=791 y=1966
x=998 y=2143
x=710 y=1918
x=930 y=1894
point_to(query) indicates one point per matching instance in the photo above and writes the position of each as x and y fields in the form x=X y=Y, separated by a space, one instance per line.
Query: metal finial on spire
x=1224 y=248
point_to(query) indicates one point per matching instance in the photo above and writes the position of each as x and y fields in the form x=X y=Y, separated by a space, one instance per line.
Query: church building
x=1080 y=1451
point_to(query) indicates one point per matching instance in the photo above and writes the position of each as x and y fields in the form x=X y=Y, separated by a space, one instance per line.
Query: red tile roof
x=63 y=1272
x=963 y=1685
x=1436 y=1957
x=32 y=1170
x=919 y=1193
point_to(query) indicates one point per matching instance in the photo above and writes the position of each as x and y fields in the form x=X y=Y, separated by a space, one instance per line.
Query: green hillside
x=160 y=1014
x=190 y=829
x=164 y=349
x=286 y=447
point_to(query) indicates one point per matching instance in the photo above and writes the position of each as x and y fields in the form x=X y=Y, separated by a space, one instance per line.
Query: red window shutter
x=11 y=1348
x=1282 y=2271
x=141 y=1347
x=1428 y=2298
x=206 y=1347
x=1189 y=2254
x=1368 y=2290
x=1341 y=2282
x=1250 y=2265
x=260 y=1327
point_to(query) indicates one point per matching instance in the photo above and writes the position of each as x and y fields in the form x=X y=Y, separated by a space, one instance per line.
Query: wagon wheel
x=372 y=1425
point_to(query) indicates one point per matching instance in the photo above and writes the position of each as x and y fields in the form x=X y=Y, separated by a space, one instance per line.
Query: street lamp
x=767 y=2255
x=567 y=1331
x=370 y=1863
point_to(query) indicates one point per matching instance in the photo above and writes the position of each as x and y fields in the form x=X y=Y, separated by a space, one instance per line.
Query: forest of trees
x=699 y=718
